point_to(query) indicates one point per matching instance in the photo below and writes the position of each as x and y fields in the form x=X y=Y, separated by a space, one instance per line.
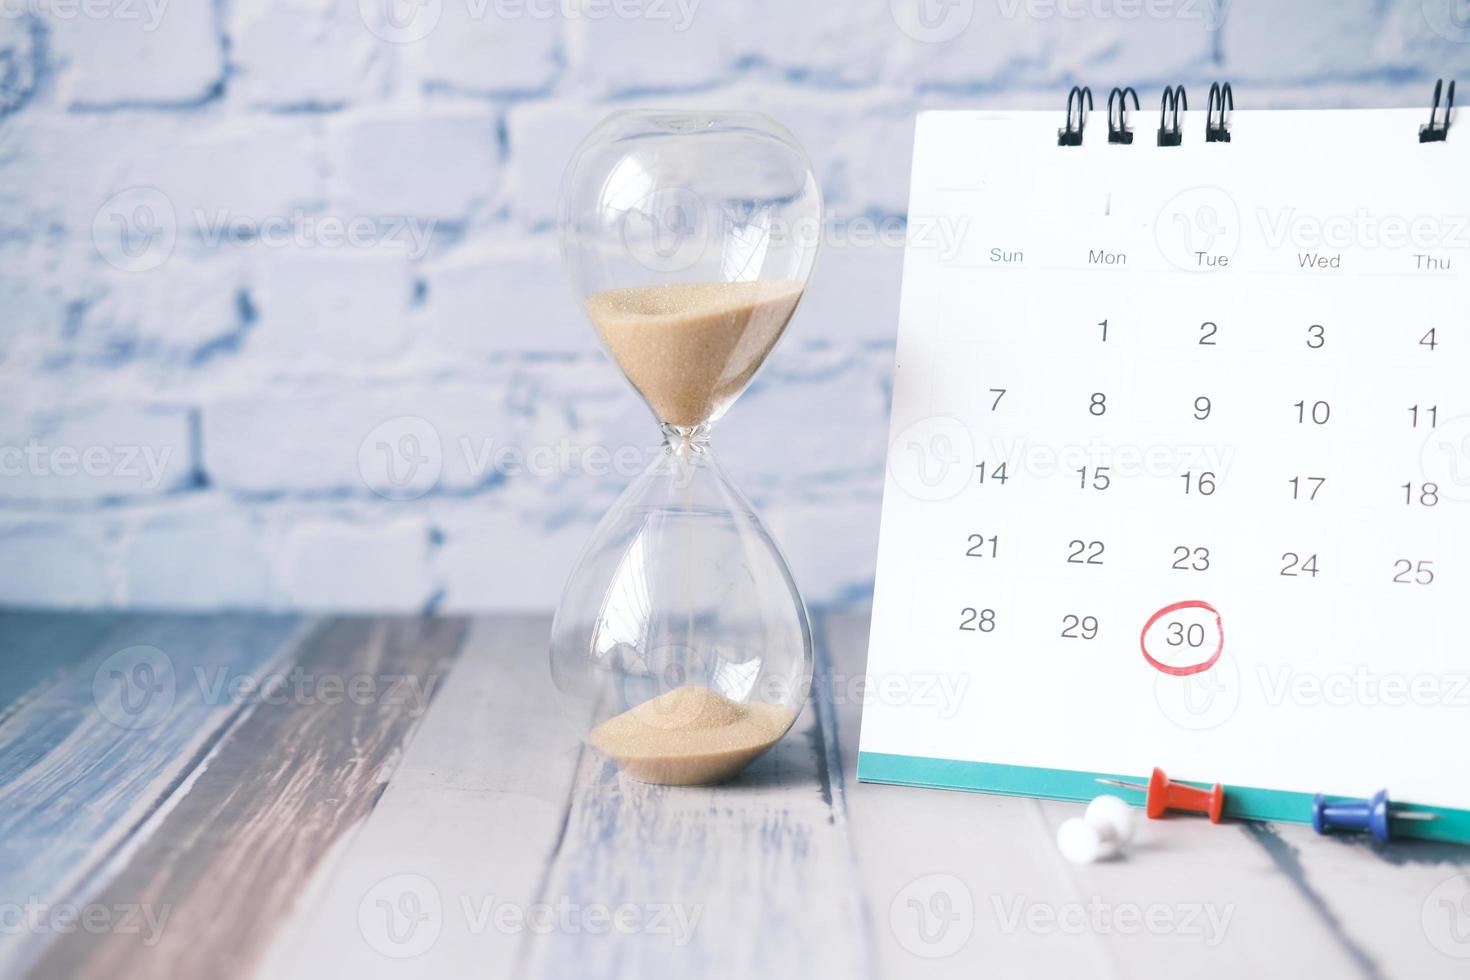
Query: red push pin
x=1164 y=795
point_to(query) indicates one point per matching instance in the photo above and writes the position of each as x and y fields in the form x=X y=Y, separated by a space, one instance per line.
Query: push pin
x=1371 y=815
x=1164 y=795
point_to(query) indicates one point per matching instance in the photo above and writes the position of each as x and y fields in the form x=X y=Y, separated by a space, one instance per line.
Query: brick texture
x=282 y=318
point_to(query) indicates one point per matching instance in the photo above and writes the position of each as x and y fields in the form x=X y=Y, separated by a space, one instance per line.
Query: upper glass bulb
x=691 y=237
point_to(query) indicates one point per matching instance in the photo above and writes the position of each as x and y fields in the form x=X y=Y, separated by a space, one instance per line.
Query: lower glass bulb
x=681 y=647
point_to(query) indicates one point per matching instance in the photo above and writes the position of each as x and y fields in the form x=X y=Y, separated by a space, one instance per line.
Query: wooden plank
x=1190 y=897
x=467 y=825
x=1225 y=908
x=237 y=845
x=36 y=648
x=84 y=762
x=750 y=879
x=1400 y=907
x=942 y=872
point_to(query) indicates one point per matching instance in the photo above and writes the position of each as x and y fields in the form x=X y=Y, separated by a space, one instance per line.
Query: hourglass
x=681 y=646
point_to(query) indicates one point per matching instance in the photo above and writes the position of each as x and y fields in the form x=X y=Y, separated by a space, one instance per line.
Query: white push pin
x=1081 y=843
x=1099 y=834
x=1112 y=817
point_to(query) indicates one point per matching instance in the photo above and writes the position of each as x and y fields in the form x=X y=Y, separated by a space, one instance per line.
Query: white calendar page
x=1234 y=375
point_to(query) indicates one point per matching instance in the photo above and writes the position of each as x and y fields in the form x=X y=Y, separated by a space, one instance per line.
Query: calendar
x=1179 y=466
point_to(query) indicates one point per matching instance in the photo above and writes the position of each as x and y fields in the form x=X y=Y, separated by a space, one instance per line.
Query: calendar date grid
x=1336 y=454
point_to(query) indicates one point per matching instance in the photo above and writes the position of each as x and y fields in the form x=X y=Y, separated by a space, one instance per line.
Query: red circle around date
x=1187 y=669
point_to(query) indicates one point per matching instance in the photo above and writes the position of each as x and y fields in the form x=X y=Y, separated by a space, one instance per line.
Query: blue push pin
x=1371 y=815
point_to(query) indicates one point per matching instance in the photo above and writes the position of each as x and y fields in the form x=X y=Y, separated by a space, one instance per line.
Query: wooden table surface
x=252 y=796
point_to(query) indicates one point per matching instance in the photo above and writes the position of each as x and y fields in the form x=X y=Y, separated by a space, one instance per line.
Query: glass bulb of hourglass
x=681 y=646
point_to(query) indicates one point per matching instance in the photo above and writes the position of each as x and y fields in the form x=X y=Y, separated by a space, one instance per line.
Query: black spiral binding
x=1438 y=129
x=1174 y=99
x=1218 y=131
x=1076 y=119
x=1118 y=131
x=1217 y=114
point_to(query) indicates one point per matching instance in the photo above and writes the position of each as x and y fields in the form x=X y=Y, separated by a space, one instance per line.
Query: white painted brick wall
x=541 y=135
x=325 y=309
x=364 y=561
x=305 y=249
x=55 y=562
x=427 y=160
x=150 y=52
x=106 y=452
x=304 y=55
x=471 y=54
x=205 y=555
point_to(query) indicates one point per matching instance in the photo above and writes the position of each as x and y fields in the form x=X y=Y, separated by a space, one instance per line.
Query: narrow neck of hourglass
x=685 y=439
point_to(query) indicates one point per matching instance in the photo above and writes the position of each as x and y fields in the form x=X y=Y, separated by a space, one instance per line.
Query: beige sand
x=691 y=348
x=690 y=735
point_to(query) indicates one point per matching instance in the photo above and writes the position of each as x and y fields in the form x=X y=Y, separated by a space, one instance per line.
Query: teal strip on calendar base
x=1241 y=802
